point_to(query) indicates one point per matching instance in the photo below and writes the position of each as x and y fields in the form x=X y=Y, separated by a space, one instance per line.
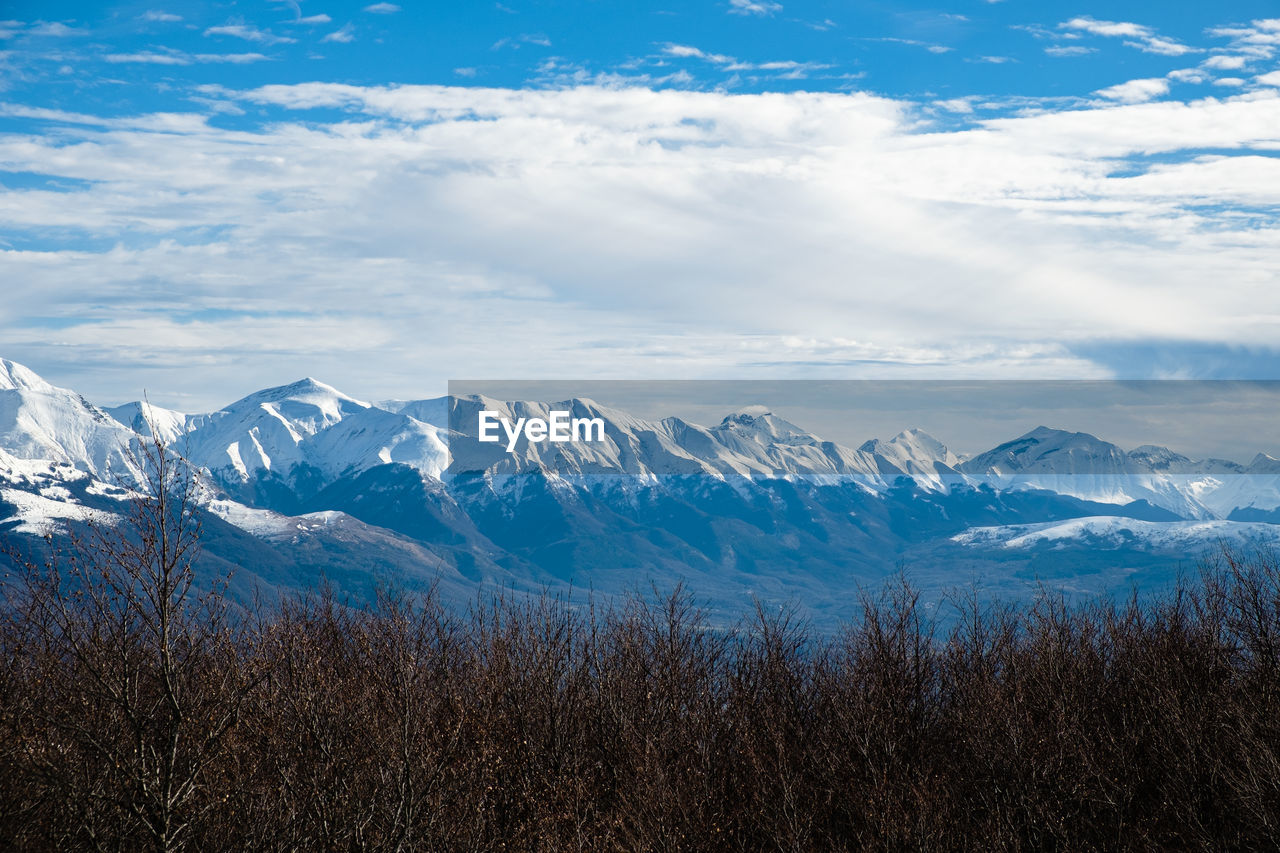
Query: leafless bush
x=138 y=710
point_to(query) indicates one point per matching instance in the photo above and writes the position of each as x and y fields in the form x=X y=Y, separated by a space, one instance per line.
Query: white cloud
x=248 y=33
x=685 y=51
x=1233 y=82
x=1225 y=62
x=159 y=16
x=516 y=42
x=1163 y=46
x=1136 y=91
x=1069 y=50
x=1141 y=37
x=382 y=8
x=932 y=48
x=312 y=20
x=754 y=7
x=1188 y=75
x=150 y=58
x=1271 y=78
x=180 y=58
x=664 y=232
x=1107 y=28
x=1260 y=40
x=342 y=36
x=54 y=29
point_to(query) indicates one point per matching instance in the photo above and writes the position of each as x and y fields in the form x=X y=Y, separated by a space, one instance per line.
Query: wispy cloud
x=1142 y=37
x=173 y=57
x=382 y=8
x=312 y=20
x=1069 y=50
x=341 y=36
x=685 y=51
x=784 y=69
x=515 y=42
x=1259 y=40
x=929 y=46
x=754 y=7
x=54 y=29
x=159 y=16
x=248 y=32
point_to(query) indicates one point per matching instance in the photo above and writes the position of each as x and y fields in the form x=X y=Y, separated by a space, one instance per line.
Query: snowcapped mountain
x=306 y=481
x=1086 y=467
x=265 y=430
x=297 y=439
x=306 y=430
x=918 y=455
x=374 y=437
x=1115 y=532
x=751 y=444
x=144 y=418
x=39 y=421
x=300 y=438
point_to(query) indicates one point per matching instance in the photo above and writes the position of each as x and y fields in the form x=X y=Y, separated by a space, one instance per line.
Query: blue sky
x=199 y=199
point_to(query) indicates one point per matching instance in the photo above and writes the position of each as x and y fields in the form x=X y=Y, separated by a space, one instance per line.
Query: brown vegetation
x=137 y=713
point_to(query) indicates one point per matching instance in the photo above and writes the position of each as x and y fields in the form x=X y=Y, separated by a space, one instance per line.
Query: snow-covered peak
x=913 y=446
x=144 y=418
x=1154 y=457
x=374 y=437
x=1264 y=464
x=39 y=421
x=916 y=454
x=264 y=430
x=14 y=377
x=1050 y=451
x=759 y=424
x=306 y=399
x=434 y=411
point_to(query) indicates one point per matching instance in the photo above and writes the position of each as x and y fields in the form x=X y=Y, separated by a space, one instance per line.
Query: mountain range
x=304 y=483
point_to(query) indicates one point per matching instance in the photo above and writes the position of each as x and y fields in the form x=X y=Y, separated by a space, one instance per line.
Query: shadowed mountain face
x=305 y=484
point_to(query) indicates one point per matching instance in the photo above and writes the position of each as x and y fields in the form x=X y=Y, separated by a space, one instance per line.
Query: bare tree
x=142 y=676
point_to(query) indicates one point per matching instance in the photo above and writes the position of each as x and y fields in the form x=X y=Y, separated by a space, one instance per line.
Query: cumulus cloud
x=1225 y=62
x=1136 y=91
x=666 y=232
